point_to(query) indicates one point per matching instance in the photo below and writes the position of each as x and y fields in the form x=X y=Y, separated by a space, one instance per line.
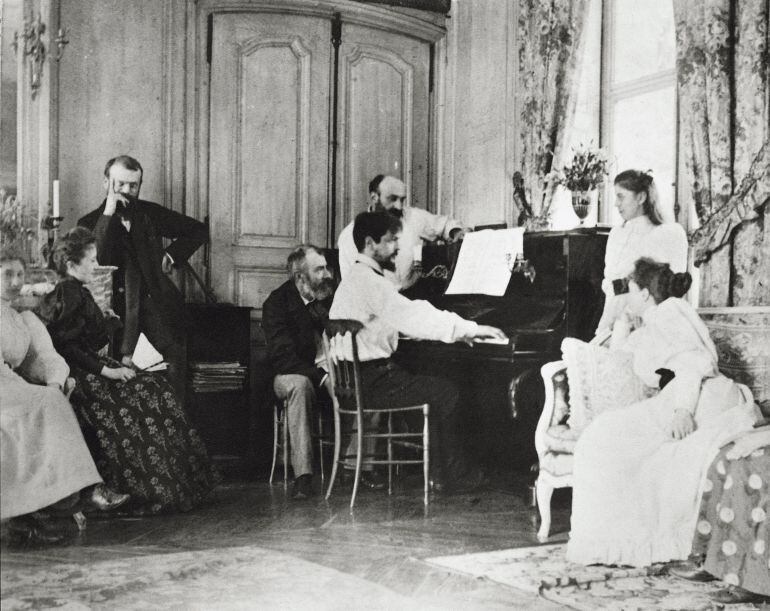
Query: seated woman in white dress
x=44 y=460
x=638 y=469
x=642 y=234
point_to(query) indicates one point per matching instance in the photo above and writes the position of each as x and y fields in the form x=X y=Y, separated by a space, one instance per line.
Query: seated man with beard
x=293 y=318
x=388 y=194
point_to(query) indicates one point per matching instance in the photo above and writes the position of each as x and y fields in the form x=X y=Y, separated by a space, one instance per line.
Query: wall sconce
x=31 y=42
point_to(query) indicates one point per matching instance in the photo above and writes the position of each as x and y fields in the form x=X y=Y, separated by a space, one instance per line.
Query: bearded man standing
x=293 y=318
x=388 y=194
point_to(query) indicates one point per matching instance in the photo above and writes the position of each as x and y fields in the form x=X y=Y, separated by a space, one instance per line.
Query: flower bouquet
x=585 y=173
x=18 y=230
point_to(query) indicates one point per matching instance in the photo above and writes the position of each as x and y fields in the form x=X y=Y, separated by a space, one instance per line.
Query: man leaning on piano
x=366 y=295
x=388 y=194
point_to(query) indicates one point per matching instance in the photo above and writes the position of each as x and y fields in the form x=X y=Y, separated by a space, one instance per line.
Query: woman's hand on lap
x=121 y=374
x=682 y=424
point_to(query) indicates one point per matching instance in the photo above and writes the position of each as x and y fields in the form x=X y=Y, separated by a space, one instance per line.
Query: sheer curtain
x=549 y=34
x=722 y=73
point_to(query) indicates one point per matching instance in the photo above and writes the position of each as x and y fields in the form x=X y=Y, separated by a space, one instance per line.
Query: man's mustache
x=397 y=212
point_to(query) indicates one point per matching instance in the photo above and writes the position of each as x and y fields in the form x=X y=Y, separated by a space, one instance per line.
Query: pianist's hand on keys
x=485 y=333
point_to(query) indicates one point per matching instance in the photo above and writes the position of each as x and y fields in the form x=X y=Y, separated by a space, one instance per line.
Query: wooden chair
x=280 y=439
x=281 y=442
x=341 y=351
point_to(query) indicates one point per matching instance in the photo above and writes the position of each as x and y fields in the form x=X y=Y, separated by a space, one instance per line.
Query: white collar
x=369 y=262
x=638 y=222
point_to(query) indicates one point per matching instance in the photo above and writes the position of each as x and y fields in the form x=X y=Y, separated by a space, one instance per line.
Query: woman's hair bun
x=679 y=284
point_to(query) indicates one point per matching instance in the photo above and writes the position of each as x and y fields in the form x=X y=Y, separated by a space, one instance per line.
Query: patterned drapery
x=723 y=75
x=548 y=36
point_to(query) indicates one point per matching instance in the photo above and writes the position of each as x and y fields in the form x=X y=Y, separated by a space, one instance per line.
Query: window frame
x=611 y=94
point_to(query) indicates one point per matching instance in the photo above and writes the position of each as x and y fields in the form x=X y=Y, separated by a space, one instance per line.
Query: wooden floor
x=384 y=541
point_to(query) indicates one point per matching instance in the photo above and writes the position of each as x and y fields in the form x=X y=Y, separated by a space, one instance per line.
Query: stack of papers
x=217 y=376
x=146 y=357
x=485 y=261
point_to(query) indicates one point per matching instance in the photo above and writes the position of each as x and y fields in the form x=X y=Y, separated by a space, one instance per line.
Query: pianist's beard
x=387 y=263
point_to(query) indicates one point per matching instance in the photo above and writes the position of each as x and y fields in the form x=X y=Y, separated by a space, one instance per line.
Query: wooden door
x=384 y=112
x=268 y=173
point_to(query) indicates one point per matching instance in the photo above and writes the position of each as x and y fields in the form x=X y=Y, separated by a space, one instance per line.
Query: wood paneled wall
x=121 y=89
x=113 y=96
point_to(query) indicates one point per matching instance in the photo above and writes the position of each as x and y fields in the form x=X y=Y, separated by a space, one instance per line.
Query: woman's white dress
x=43 y=456
x=639 y=237
x=636 y=489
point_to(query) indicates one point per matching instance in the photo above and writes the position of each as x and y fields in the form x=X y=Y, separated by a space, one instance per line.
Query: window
x=638 y=118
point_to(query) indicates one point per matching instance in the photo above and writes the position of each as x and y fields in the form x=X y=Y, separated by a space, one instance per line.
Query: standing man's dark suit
x=144 y=296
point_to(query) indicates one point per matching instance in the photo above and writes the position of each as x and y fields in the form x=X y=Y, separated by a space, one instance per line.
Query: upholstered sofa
x=742 y=338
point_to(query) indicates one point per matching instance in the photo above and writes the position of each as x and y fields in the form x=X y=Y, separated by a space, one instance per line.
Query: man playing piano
x=388 y=194
x=367 y=296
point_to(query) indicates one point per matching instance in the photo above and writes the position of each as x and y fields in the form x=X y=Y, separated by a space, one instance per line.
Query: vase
x=581 y=204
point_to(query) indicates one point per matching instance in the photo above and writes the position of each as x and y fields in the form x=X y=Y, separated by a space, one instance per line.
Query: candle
x=55 y=198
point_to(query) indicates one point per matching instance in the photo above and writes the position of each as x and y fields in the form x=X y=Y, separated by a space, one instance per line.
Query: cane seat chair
x=282 y=442
x=341 y=351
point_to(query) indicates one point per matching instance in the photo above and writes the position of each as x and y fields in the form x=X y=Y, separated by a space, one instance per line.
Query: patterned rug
x=230 y=578
x=544 y=569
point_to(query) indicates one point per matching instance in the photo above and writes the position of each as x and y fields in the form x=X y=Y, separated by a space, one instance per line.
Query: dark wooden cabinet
x=221 y=333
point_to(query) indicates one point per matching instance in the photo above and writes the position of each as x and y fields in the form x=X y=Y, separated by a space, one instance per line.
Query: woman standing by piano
x=642 y=234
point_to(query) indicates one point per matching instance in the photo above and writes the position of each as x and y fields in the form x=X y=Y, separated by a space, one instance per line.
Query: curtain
x=549 y=33
x=722 y=72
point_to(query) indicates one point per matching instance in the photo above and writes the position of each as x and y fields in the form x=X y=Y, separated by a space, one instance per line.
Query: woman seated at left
x=45 y=462
x=137 y=431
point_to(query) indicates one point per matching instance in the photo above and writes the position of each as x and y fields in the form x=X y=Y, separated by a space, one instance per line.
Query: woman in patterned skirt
x=139 y=434
x=732 y=537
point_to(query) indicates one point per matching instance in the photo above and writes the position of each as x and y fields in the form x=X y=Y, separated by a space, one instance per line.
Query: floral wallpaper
x=722 y=72
x=548 y=35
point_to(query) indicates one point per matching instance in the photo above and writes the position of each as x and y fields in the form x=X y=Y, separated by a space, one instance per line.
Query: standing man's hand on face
x=113 y=197
x=456 y=234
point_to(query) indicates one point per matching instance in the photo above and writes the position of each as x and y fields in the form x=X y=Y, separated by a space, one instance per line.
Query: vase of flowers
x=18 y=229
x=582 y=177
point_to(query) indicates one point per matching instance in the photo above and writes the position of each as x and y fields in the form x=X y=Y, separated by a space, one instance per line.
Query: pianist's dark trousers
x=386 y=384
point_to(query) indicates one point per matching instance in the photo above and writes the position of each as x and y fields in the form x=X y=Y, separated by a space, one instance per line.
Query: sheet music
x=146 y=357
x=485 y=261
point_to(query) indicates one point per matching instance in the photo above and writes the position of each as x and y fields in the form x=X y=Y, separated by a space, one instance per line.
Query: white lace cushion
x=599 y=379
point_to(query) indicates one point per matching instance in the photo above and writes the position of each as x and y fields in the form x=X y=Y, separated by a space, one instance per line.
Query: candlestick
x=55 y=198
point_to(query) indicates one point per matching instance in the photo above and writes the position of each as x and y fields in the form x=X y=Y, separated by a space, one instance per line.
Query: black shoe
x=690 y=572
x=734 y=595
x=303 y=487
x=369 y=479
x=104 y=499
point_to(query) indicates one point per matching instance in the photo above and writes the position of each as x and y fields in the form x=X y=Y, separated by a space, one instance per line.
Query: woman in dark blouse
x=138 y=433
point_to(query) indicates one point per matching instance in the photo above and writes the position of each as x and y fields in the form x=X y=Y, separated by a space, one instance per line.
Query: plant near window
x=582 y=177
x=18 y=230
x=587 y=170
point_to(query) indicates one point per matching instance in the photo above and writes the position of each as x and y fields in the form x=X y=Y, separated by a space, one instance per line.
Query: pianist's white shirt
x=418 y=225
x=367 y=296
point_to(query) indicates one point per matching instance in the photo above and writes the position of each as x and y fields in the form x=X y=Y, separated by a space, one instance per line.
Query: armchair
x=742 y=339
x=554 y=442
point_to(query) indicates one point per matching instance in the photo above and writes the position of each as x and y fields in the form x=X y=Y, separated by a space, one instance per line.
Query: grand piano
x=501 y=390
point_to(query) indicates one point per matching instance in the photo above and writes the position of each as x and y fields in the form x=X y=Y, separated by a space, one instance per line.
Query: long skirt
x=142 y=441
x=733 y=531
x=636 y=489
x=43 y=457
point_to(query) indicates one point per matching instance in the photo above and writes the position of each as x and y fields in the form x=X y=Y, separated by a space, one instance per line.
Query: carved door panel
x=384 y=112
x=268 y=173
